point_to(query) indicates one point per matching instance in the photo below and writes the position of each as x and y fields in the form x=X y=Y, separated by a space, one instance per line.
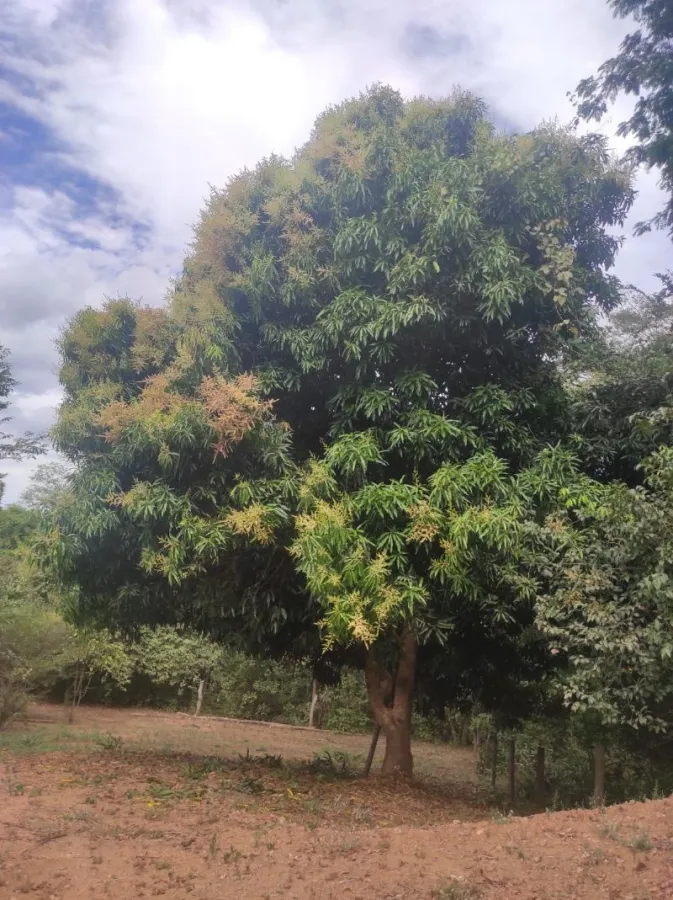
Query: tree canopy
x=643 y=68
x=354 y=404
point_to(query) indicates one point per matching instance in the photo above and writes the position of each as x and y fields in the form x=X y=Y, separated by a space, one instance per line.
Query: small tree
x=32 y=637
x=622 y=396
x=32 y=630
x=48 y=487
x=92 y=652
x=178 y=657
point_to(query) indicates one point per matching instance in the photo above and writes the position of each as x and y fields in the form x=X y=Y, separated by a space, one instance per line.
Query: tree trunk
x=392 y=710
x=464 y=731
x=511 y=772
x=599 y=775
x=398 y=759
x=540 y=788
x=73 y=705
x=314 y=702
x=476 y=744
x=199 y=696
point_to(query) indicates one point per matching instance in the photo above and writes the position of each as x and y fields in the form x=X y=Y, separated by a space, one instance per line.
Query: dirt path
x=130 y=818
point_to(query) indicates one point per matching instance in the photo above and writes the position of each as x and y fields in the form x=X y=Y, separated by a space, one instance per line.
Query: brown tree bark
x=76 y=687
x=394 y=718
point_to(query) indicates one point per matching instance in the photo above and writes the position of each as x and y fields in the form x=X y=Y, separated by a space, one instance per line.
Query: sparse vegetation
x=457 y=889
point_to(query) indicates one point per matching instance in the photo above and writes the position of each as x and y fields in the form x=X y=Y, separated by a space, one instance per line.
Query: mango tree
x=388 y=305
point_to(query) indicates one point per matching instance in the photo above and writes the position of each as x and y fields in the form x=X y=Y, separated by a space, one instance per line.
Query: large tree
x=402 y=290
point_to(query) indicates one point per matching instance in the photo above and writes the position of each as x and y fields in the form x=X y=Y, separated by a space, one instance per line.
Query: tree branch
x=379 y=685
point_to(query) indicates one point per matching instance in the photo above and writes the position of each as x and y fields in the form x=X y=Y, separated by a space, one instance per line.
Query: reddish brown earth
x=129 y=805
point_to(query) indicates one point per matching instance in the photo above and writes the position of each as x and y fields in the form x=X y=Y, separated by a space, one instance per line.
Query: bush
x=243 y=687
x=635 y=768
x=12 y=701
x=345 y=707
x=31 y=637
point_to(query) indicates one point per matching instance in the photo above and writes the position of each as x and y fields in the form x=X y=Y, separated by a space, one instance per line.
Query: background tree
x=47 y=488
x=185 y=660
x=622 y=388
x=643 y=68
x=12 y=447
x=32 y=629
x=31 y=637
x=609 y=603
x=92 y=652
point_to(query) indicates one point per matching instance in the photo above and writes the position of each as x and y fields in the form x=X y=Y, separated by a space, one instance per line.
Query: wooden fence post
x=199 y=696
x=494 y=761
x=540 y=787
x=314 y=702
x=511 y=772
x=599 y=775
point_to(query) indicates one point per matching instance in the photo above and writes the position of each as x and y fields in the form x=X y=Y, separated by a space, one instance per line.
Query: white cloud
x=158 y=98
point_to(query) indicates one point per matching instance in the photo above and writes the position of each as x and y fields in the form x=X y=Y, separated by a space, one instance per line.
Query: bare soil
x=129 y=804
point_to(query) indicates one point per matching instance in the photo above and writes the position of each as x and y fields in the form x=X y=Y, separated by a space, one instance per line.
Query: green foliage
x=643 y=68
x=12 y=447
x=635 y=769
x=609 y=603
x=17 y=526
x=93 y=653
x=358 y=362
x=176 y=657
x=160 y=506
x=345 y=706
x=31 y=637
x=48 y=487
x=243 y=687
x=622 y=402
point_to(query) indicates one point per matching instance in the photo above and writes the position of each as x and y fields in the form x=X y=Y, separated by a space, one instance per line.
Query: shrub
x=244 y=687
x=345 y=707
x=634 y=769
x=31 y=636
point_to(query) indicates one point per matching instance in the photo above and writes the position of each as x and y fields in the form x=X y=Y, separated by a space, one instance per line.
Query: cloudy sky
x=115 y=115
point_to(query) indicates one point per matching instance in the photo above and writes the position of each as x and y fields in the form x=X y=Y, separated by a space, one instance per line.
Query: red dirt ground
x=129 y=805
